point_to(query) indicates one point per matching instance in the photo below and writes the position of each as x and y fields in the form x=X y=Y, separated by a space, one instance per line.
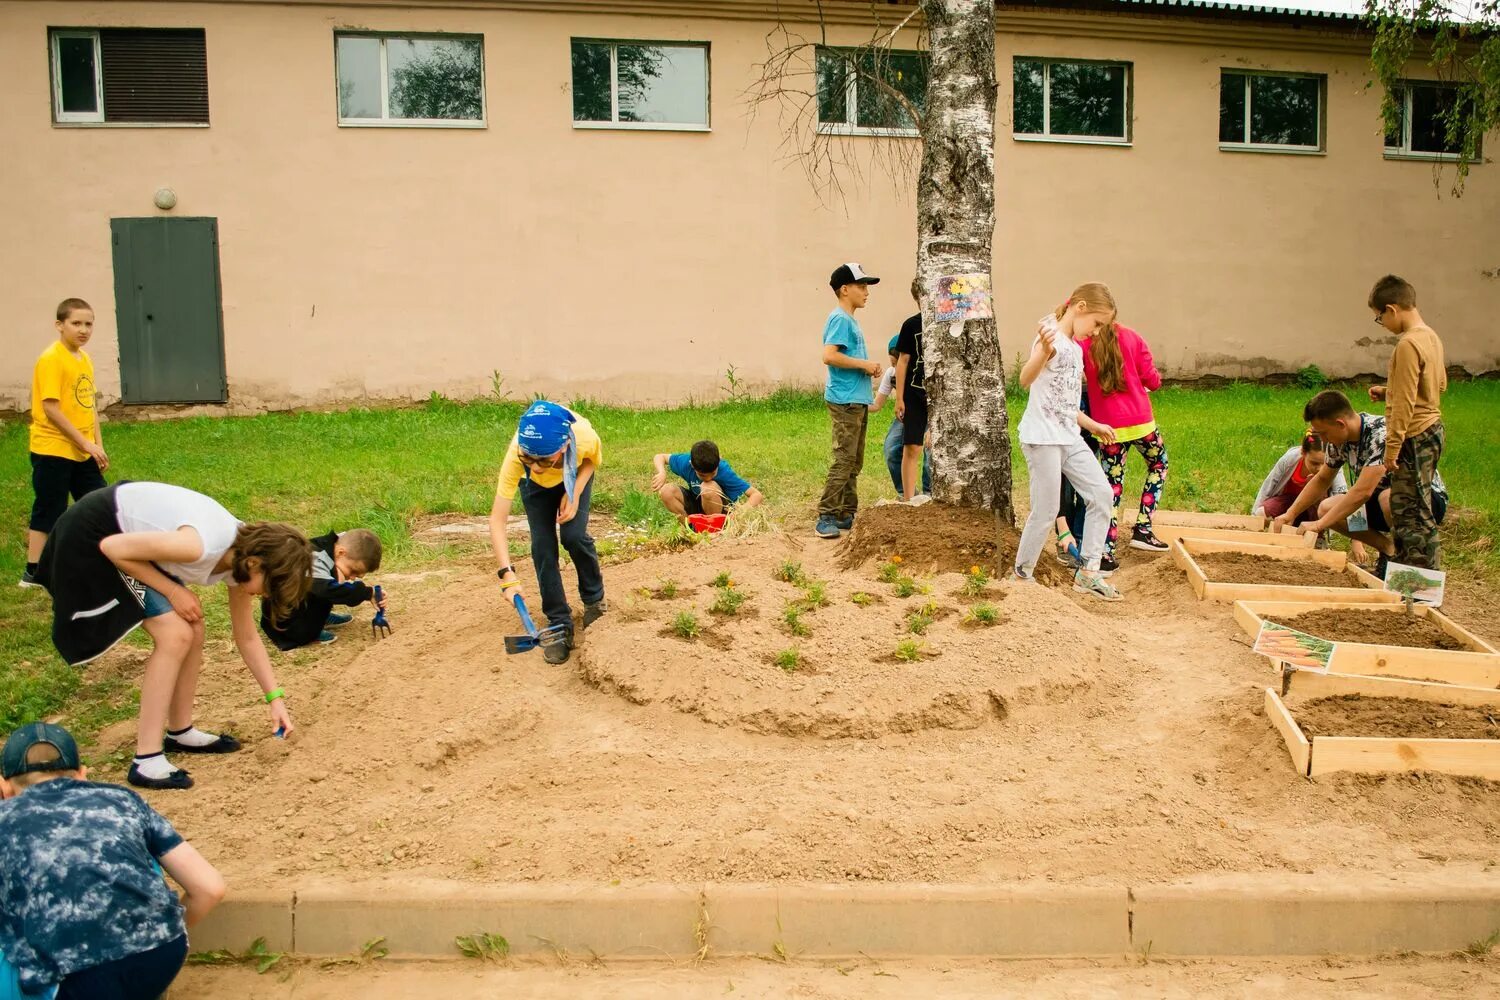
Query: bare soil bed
x=938 y=538
x=1380 y=628
x=1074 y=741
x=1402 y=718
x=1242 y=567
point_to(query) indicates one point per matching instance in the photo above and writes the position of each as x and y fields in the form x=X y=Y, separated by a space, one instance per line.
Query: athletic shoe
x=335 y=619
x=827 y=527
x=325 y=637
x=178 y=779
x=557 y=653
x=1095 y=585
x=27 y=581
x=1017 y=575
x=1107 y=566
x=845 y=523
x=1380 y=565
x=224 y=744
x=593 y=612
x=1144 y=538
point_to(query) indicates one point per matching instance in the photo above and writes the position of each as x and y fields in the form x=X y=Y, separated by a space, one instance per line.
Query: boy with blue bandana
x=551 y=461
x=83 y=908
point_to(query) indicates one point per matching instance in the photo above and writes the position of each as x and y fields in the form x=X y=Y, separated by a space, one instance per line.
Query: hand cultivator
x=534 y=638
x=380 y=626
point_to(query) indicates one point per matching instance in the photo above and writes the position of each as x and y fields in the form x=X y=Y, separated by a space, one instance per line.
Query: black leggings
x=143 y=976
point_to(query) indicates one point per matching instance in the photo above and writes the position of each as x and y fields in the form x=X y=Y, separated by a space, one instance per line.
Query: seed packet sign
x=962 y=297
x=1425 y=586
x=1296 y=649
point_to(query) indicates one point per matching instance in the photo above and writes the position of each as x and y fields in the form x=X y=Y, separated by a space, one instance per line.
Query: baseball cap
x=544 y=428
x=891 y=347
x=37 y=734
x=850 y=274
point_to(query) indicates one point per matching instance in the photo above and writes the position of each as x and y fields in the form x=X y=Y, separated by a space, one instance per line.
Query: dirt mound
x=940 y=538
x=1401 y=718
x=1381 y=628
x=858 y=662
x=1242 y=567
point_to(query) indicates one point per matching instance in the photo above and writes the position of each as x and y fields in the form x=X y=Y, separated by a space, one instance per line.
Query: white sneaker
x=919 y=500
x=1092 y=583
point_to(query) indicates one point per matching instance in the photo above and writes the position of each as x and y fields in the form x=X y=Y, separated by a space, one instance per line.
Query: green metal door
x=167 y=309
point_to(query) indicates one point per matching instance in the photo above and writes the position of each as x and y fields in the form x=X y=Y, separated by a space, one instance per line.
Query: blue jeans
x=542 y=503
x=892 y=447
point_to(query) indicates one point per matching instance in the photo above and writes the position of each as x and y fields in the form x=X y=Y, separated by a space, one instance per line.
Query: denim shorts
x=155 y=602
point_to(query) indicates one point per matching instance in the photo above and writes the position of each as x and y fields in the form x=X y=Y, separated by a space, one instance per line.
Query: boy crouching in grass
x=709 y=484
x=83 y=908
x=340 y=562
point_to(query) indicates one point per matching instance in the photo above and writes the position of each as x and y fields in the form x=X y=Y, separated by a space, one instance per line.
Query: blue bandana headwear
x=545 y=429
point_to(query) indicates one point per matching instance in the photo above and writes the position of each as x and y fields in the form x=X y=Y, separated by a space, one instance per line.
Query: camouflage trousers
x=1414 y=528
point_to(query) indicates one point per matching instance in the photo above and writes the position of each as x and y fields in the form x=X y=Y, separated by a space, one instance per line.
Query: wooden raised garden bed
x=1288 y=539
x=1199 y=519
x=1315 y=753
x=1468 y=659
x=1240 y=571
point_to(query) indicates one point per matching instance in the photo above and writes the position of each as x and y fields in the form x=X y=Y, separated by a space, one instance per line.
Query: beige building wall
x=385 y=263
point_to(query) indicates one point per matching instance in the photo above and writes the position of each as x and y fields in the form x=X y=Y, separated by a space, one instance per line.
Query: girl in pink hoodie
x=1119 y=373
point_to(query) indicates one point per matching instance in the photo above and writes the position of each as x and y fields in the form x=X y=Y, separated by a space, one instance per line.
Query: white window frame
x=1087 y=140
x=851 y=102
x=614 y=86
x=385 y=121
x=1404 y=151
x=1246 y=146
x=59 y=116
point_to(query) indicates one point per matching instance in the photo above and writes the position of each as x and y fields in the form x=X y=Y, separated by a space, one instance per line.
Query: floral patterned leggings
x=1112 y=457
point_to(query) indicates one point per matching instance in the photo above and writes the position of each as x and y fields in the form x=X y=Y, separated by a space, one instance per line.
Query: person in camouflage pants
x=1414 y=526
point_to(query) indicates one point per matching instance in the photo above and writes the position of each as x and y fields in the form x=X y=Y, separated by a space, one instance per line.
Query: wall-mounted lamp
x=166 y=199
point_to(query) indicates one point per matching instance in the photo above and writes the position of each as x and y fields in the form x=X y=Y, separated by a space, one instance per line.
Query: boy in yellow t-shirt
x=67 y=450
x=551 y=461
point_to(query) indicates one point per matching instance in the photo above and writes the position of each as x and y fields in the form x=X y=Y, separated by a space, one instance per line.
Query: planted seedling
x=975 y=581
x=789 y=660
x=984 y=614
x=815 y=594
x=904 y=586
x=666 y=587
x=862 y=599
x=686 y=626
x=908 y=650
x=918 y=621
x=790 y=572
x=723 y=580
x=483 y=946
x=792 y=619
x=728 y=602
x=890 y=572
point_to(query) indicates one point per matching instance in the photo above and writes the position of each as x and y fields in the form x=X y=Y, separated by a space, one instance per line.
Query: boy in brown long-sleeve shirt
x=1413 y=420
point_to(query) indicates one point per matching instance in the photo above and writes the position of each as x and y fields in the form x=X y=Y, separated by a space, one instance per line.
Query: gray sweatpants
x=1046 y=464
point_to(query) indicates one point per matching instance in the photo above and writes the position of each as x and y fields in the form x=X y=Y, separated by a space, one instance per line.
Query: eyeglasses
x=1380 y=316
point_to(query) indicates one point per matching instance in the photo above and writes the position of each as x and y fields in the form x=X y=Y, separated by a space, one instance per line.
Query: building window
x=1280 y=112
x=865 y=92
x=1069 y=101
x=129 y=76
x=644 y=85
x=432 y=80
x=1424 y=110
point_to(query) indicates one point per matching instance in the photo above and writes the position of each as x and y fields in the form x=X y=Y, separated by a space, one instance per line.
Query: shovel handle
x=520 y=603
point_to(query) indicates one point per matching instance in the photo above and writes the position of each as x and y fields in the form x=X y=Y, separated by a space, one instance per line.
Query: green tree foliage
x=638 y=67
x=1459 y=40
x=439 y=80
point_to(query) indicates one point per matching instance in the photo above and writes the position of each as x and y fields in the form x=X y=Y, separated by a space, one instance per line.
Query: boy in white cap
x=848 y=395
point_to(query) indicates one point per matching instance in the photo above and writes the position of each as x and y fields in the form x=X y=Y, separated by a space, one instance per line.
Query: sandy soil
x=1075 y=741
x=1356 y=715
x=1377 y=627
x=1242 y=567
x=1032 y=980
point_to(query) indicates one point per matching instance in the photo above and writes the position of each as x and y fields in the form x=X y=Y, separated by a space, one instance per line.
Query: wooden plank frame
x=1370 y=591
x=1380 y=754
x=1479 y=667
x=1171 y=532
x=1315 y=684
x=1199 y=519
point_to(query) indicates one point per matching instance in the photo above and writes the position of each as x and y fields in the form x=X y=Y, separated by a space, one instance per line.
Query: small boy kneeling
x=710 y=485
x=339 y=563
x=82 y=905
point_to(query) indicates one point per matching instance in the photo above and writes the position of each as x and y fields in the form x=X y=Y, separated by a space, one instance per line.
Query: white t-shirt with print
x=160 y=507
x=887 y=382
x=1051 y=415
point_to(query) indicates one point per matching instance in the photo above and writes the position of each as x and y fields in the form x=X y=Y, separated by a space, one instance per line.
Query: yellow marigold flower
x=895 y=559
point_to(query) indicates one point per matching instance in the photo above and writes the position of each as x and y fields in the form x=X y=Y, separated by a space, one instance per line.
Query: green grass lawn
x=383 y=468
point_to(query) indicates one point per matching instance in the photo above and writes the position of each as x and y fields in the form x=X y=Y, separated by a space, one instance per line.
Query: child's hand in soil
x=379 y=602
x=281 y=719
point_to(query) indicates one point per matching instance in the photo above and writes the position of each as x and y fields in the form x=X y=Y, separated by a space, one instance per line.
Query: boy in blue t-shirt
x=848 y=395
x=710 y=484
x=83 y=907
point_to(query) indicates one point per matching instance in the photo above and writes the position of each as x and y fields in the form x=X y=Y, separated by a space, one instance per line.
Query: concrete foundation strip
x=1232 y=916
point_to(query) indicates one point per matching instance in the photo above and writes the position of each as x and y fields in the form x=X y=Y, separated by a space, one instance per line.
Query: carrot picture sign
x=1296 y=649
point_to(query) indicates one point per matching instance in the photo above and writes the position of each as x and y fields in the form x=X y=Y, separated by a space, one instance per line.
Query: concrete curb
x=1225 y=917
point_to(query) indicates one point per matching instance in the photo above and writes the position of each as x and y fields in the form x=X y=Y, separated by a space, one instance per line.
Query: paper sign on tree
x=962 y=297
x=1425 y=586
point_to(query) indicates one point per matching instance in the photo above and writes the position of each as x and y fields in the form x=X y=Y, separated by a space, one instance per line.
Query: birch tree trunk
x=955 y=230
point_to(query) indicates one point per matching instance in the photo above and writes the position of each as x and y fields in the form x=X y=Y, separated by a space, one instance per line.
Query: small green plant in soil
x=258 y=955
x=666 y=587
x=984 y=614
x=890 y=571
x=814 y=594
x=975 y=581
x=483 y=946
x=686 y=626
x=790 y=572
x=728 y=602
x=908 y=650
x=904 y=586
x=792 y=619
x=789 y=660
x=723 y=580
x=862 y=599
x=918 y=621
